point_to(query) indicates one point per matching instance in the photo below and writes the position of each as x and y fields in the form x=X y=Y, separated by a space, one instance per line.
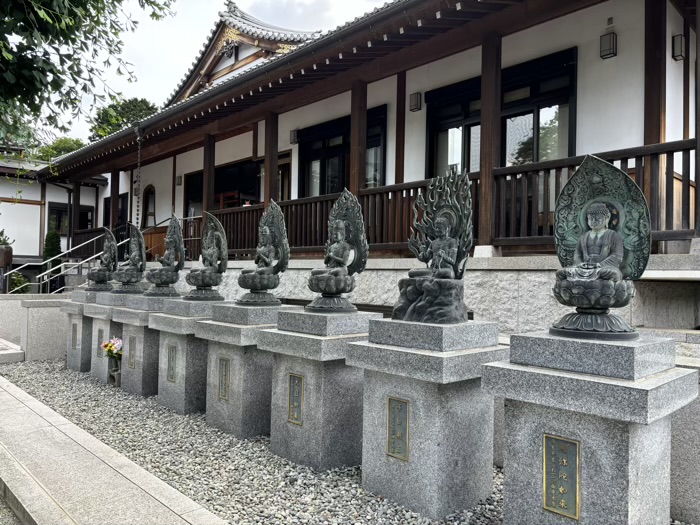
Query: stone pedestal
x=79 y=341
x=83 y=296
x=685 y=456
x=239 y=375
x=589 y=423
x=316 y=415
x=103 y=329
x=43 y=329
x=428 y=426
x=182 y=358
x=139 y=370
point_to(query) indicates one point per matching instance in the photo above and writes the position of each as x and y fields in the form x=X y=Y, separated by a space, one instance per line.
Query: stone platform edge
x=33 y=504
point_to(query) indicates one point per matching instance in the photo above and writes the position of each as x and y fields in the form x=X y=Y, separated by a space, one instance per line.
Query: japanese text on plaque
x=397 y=438
x=296 y=399
x=561 y=476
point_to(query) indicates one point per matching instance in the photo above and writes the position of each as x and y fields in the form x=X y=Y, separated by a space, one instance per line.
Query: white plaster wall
x=316 y=113
x=14 y=187
x=21 y=222
x=243 y=52
x=378 y=94
x=234 y=148
x=446 y=71
x=610 y=93
x=674 y=77
x=186 y=163
x=160 y=176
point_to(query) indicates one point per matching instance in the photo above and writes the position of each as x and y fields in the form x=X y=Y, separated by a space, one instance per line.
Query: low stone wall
x=44 y=330
x=13 y=316
x=515 y=292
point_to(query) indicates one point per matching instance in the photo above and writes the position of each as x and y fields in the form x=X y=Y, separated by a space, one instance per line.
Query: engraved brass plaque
x=561 y=476
x=397 y=434
x=100 y=340
x=74 y=336
x=132 y=352
x=224 y=378
x=295 y=411
x=172 y=355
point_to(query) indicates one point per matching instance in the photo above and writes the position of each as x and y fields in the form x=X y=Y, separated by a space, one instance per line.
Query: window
x=537 y=116
x=59 y=217
x=149 y=207
x=324 y=154
x=122 y=210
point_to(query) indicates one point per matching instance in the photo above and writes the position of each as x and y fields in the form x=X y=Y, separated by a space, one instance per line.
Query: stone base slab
x=83 y=296
x=131 y=316
x=239 y=390
x=102 y=330
x=685 y=457
x=182 y=384
x=111 y=299
x=247 y=315
x=72 y=308
x=97 y=311
x=644 y=401
x=229 y=333
x=622 y=359
x=325 y=324
x=329 y=432
x=306 y=346
x=188 y=308
x=173 y=323
x=448 y=463
x=624 y=468
x=438 y=337
x=79 y=344
x=146 y=303
x=140 y=360
x=436 y=367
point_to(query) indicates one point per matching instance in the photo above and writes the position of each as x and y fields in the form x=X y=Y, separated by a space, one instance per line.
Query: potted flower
x=5 y=250
x=113 y=349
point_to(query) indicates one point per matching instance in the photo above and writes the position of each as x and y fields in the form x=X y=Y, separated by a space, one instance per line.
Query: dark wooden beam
x=490 y=132
x=697 y=126
x=686 y=80
x=400 y=126
x=358 y=137
x=271 y=157
x=172 y=205
x=113 y=199
x=654 y=71
x=42 y=218
x=208 y=189
x=76 y=209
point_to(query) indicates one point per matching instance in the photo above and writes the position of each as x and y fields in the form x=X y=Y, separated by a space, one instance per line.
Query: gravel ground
x=7 y=517
x=240 y=481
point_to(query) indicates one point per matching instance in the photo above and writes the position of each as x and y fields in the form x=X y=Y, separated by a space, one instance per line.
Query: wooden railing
x=83 y=236
x=241 y=227
x=525 y=196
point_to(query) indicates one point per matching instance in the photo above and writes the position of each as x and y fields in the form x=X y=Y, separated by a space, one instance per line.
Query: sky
x=161 y=52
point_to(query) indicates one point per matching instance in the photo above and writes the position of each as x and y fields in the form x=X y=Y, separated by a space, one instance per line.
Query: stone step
x=10 y=353
x=54 y=473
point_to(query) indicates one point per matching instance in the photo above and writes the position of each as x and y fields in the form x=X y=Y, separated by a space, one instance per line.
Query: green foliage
x=120 y=114
x=548 y=144
x=16 y=281
x=54 y=53
x=4 y=239
x=52 y=248
x=58 y=147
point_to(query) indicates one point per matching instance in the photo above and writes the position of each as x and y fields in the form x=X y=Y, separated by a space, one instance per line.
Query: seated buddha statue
x=338 y=254
x=440 y=254
x=599 y=251
x=265 y=254
x=168 y=259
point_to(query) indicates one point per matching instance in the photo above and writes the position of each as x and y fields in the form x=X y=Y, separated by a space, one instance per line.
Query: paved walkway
x=10 y=352
x=54 y=473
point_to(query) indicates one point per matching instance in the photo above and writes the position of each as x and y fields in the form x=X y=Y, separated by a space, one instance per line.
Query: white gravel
x=7 y=517
x=240 y=481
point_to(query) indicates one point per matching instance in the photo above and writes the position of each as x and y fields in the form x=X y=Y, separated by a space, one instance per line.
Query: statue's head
x=598 y=216
x=442 y=227
x=337 y=230
x=265 y=235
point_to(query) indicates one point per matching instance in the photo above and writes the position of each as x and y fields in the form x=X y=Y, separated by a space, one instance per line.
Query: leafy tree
x=52 y=248
x=548 y=144
x=120 y=114
x=17 y=282
x=59 y=147
x=55 y=52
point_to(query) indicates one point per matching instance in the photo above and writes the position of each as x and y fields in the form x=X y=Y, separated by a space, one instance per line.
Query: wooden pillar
x=42 y=219
x=208 y=179
x=490 y=133
x=172 y=204
x=271 y=157
x=654 y=71
x=697 y=122
x=400 y=126
x=113 y=199
x=75 y=211
x=358 y=137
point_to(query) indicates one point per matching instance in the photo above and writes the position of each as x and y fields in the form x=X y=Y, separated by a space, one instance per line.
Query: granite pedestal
x=83 y=296
x=588 y=428
x=103 y=329
x=79 y=341
x=141 y=345
x=316 y=414
x=685 y=456
x=182 y=358
x=239 y=375
x=428 y=425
